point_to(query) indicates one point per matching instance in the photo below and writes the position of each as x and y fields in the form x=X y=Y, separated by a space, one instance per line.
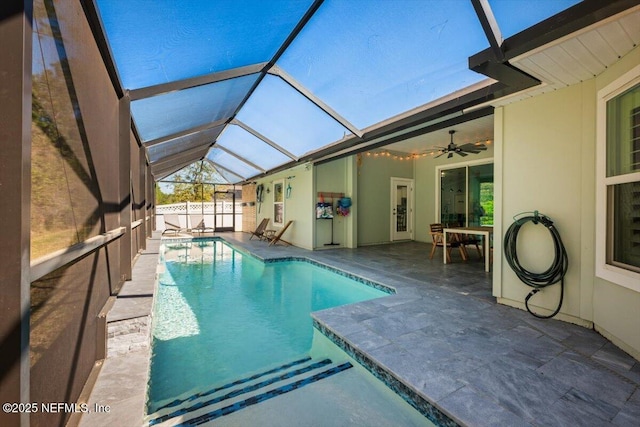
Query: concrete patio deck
x=442 y=337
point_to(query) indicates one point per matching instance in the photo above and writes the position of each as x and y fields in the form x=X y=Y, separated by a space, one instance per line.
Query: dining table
x=485 y=231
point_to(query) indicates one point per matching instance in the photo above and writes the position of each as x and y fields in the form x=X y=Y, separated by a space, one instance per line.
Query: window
x=278 y=202
x=618 y=192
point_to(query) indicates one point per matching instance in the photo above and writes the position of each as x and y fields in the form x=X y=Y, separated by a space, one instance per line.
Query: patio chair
x=467 y=240
x=473 y=241
x=200 y=226
x=437 y=240
x=278 y=236
x=172 y=224
x=259 y=231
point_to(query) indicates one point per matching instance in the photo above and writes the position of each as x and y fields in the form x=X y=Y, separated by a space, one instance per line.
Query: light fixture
x=461 y=150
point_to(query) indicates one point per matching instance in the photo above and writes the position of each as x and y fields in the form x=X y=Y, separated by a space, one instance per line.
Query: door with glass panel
x=466 y=195
x=225 y=210
x=401 y=209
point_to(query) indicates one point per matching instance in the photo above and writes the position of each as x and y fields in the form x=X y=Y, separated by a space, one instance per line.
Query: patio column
x=124 y=166
x=142 y=189
x=15 y=209
x=150 y=200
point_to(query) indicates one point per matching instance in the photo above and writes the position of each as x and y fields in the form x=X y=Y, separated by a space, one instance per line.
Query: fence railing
x=216 y=214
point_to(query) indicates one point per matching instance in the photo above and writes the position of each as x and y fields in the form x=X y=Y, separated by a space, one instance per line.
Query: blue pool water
x=220 y=314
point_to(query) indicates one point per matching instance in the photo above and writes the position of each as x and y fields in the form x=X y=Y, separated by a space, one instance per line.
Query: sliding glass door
x=453 y=196
x=466 y=195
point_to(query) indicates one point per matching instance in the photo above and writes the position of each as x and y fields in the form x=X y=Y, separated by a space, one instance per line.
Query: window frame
x=278 y=203
x=604 y=270
x=463 y=164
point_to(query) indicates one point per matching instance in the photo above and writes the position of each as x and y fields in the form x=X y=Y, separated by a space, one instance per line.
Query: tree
x=194 y=183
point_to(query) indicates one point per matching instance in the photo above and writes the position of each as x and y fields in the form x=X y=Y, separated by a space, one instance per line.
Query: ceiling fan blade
x=450 y=155
x=435 y=157
x=462 y=153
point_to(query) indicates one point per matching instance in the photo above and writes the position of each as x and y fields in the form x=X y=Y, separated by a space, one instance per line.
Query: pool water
x=220 y=314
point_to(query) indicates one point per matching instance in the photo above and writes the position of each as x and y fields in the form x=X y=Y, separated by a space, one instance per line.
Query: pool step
x=229 y=398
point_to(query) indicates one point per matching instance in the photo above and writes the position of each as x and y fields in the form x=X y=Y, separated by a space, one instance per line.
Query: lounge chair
x=259 y=231
x=437 y=240
x=278 y=236
x=198 y=224
x=172 y=224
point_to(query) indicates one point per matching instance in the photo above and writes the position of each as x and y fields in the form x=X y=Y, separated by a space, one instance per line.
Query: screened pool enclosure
x=103 y=100
x=254 y=86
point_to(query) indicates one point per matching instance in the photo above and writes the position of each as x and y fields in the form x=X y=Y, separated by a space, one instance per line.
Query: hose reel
x=538 y=281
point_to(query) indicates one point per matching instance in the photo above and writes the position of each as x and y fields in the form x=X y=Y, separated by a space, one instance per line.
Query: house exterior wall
x=547 y=149
x=249 y=207
x=300 y=207
x=374 y=196
x=335 y=177
x=616 y=309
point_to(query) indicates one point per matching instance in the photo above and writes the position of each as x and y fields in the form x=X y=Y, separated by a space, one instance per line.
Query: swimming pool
x=221 y=315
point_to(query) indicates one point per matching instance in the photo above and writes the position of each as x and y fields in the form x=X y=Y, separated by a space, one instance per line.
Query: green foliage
x=193 y=183
x=486 y=201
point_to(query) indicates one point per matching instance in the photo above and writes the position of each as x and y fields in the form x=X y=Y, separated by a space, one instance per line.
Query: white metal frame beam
x=185 y=132
x=237 y=156
x=279 y=72
x=181 y=155
x=263 y=138
x=218 y=166
x=173 y=86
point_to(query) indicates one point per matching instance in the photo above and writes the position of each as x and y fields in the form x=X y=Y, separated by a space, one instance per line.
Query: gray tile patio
x=443 y=336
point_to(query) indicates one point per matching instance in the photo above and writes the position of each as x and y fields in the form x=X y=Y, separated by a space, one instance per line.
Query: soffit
x=580 y=56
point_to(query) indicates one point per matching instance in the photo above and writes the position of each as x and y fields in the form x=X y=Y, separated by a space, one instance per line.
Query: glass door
x=481 y=195
x=466 y=195
x=453 y=197
x=401 y=209
x=225 y=210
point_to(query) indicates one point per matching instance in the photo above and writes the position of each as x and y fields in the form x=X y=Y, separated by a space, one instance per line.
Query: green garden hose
x=538 y=281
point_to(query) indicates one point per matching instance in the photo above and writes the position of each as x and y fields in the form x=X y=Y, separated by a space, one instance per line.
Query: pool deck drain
x=443 y=337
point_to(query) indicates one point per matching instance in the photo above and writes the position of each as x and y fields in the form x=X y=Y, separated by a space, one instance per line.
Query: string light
x=403 y=156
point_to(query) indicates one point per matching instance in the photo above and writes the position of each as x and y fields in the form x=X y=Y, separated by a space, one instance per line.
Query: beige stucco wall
x=546 y=146
x=300 y=207
x=543 y=144
x=336 y=177
x=374 y=196
x=616 y=309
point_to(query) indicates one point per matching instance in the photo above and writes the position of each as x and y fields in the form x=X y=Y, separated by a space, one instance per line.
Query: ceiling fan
x=462 y=150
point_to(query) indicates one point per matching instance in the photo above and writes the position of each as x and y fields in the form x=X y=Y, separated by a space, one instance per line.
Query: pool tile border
x=379 y=286
x=412 y=397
